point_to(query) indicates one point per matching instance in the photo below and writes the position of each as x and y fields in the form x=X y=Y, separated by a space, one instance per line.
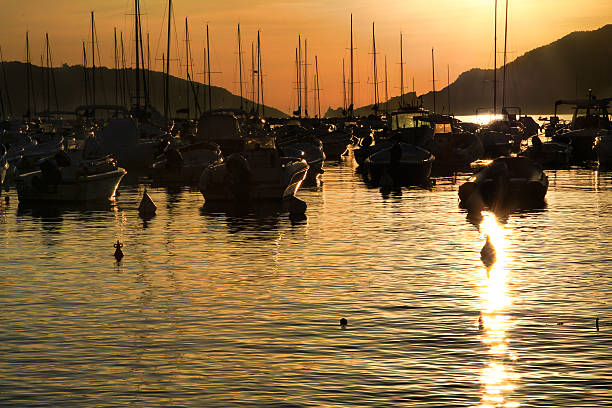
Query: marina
x=173 y=236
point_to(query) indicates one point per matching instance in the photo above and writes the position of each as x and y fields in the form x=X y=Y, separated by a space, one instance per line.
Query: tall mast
x=208 y=72
x=93 y=60
x=124 y=83
x=167 y=87
x=252 y=78
x=305 y=78
x=48 y=72
x=317 y=86
x=8 y=95
x=28 y=76
x=495 y=64
x=116 y=66
x=376 y=99
x=352 y=93
x=148 y=71
x=299 y=84
x=433 y=75
x=386 y=87
x=84 y=75
x=137 y=37
x=505 y=43
x=240 y=67
x=401 y=72
x=343 y=87
x=142 y=59
x=448 y=87
x=187 y=66
x=297 y=80
x=260 y=74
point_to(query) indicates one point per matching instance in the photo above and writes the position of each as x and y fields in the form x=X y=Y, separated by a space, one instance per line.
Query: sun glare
x=498 y=379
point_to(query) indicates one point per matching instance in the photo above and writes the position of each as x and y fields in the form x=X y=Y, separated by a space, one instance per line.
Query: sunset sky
x=461 y=31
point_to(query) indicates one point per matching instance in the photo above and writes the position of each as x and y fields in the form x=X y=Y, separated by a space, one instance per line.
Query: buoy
x=118 y=251
x=487 y=253
x=343 y=322
x=147 y=207
x=597 y=323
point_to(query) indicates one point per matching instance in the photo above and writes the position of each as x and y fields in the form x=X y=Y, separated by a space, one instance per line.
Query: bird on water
x=487 y=253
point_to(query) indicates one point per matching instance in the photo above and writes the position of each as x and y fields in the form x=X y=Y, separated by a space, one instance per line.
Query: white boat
x=257 y=174
x=67 y=177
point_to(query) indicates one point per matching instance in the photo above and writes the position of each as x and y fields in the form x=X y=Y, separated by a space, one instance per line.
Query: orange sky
x=460 y=31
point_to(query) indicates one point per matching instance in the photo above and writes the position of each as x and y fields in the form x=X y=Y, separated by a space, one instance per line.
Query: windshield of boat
x=590 y=117
x=403 y=120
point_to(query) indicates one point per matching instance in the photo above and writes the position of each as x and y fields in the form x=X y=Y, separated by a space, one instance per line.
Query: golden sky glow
x=460 y=31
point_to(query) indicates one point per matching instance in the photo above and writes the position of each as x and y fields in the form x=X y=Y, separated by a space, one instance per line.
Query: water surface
x=223 y=307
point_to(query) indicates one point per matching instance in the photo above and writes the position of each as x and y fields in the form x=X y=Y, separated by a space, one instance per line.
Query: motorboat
x=589 y=119
x=335 y=143
x=184 y=164
x=549 y=154
x=506 y=182
x=296 y=141
x=257 y=173
x=405 y=163
x=68 y=177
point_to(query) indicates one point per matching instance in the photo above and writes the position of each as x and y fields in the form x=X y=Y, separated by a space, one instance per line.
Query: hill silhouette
x=71 y=92
x=563 y=69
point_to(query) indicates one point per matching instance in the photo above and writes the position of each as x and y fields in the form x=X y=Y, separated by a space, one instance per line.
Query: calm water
x=223 y=308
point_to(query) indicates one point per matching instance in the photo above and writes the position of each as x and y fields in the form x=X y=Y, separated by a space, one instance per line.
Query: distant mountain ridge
x=563 y=69
x=70 y=84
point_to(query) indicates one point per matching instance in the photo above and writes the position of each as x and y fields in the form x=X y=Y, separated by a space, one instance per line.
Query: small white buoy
x=147 y=207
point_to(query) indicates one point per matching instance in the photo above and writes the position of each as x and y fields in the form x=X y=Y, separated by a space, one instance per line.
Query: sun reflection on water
x=498 y=378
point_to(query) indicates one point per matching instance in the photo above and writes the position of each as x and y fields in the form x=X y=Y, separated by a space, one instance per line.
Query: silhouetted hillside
x=70 y=85
x=566 y=68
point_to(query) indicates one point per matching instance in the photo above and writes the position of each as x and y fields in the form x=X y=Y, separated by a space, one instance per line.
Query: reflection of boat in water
x=68 y=177
x=256 y=174
x=407 y=164
x=506 y=182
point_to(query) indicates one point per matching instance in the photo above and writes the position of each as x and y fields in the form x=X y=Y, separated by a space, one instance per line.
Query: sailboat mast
x=8 y=95
x=187 y=82
x=352 y=93
x=318 y=89
x=136 y=38
x=495 y=64
x=116 y=66
x=28 y=76
x=386 y=88
x=260 y=73
x=124 y=83
x=448 y=87
x=401 y=71
x=504 y=73
x=252 y=78
x=305 y=78
x=376 y=100
x=167 y=87
x=343 y=86
x=93 y=61
x=299 y=84
x=240 y=67
x=48 y=73
x=297 y=80
x=86 y=81
x=208 y=72
x=433 y=75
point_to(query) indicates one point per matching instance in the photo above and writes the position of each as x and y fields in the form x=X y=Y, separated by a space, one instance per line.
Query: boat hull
x=94 y=187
